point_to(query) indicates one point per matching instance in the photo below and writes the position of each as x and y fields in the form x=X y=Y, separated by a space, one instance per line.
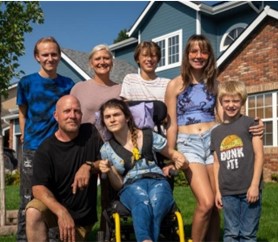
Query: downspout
x=255 y=8
x=139 y=41
x=198 y=22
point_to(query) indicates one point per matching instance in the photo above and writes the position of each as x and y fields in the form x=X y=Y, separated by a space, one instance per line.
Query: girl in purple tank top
x=191 y=103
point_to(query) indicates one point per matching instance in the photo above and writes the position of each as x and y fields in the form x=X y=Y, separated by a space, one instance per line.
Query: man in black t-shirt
x=64 y=183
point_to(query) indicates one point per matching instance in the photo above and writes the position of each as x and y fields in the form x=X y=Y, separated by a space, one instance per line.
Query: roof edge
x=74 y=66
x=123 y=43
x=266 y=12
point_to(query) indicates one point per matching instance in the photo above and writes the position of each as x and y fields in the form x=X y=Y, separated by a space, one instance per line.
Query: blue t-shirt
x=40 y=95
x=141 y=166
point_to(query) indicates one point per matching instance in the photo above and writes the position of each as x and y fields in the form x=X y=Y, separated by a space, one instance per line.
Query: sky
x=80 y=25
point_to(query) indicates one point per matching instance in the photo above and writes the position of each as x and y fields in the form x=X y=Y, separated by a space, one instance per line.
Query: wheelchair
x=118 y=218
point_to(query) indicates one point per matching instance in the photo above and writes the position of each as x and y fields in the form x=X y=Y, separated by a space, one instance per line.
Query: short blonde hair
x=98 y=48
x=231 y=88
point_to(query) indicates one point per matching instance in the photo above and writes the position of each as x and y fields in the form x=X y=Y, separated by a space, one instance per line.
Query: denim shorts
x=196 y=147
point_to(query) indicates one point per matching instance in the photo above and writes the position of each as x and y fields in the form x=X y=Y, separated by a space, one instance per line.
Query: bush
x=274 y=177
x=12 y=178
x=180 y=179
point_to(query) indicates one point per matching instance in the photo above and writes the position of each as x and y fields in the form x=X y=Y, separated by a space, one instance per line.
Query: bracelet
x=91 y=164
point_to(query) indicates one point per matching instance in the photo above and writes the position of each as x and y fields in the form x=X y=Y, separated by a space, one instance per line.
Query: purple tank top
x=195 y=105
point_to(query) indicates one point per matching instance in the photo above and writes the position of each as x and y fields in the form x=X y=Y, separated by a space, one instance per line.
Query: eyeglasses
x=202 y=53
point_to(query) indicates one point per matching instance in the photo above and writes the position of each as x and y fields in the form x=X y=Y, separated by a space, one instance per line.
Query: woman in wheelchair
x=142 y=184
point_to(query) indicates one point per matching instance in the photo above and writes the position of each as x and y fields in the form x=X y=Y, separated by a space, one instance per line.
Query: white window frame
x=236 y=26
x=166 y=39
x=273 y=119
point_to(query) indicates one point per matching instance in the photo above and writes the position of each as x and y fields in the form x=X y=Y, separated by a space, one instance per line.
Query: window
x=171 y=50
x=265 y=106
x=231 y=34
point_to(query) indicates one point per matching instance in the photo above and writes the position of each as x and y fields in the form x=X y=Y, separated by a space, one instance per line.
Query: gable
x=267 y=12
x=255 y=61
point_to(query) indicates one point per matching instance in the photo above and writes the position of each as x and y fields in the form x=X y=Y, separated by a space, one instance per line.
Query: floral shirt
x=141 y=166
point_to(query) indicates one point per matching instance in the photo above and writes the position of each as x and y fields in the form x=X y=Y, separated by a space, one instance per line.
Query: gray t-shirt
x=233 y=145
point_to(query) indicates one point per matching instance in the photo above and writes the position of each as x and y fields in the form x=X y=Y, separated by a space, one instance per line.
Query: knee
x=206 y=206
x=33 y=217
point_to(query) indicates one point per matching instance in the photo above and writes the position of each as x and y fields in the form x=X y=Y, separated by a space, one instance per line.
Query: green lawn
x=268 y=230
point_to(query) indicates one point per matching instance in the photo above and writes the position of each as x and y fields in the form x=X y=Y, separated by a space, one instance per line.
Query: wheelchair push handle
x=173 y=172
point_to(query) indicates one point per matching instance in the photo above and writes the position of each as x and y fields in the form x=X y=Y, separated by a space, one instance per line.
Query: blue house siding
x=273 y=4
x=165 y=17
x=169 y=17
x=126 y=54
x=209 y=29
x=65 y=70
x=171 y=73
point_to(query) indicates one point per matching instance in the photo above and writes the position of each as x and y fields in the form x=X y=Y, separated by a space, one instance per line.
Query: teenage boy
x=37 y=95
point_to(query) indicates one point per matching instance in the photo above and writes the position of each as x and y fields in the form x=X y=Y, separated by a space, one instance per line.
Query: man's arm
x=65 y=221
x=82 y=176
x=22 y=110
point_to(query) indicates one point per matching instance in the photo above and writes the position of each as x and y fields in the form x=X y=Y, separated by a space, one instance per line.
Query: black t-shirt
x=55 y=166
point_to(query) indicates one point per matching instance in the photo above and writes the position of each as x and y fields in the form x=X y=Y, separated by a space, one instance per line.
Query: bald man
x=64 y=183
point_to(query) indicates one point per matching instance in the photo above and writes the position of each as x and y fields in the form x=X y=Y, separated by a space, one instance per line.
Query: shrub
x=274 y=177
x=12 y=178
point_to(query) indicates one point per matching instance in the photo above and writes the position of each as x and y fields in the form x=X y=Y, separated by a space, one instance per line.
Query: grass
x=268 y=230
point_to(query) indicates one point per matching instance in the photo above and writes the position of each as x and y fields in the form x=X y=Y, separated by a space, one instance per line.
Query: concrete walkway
x=11 y=223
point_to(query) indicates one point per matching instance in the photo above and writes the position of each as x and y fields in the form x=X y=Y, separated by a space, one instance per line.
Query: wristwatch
x=91 y=164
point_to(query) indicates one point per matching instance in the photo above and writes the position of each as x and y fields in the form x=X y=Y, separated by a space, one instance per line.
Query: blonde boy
x=238 y=166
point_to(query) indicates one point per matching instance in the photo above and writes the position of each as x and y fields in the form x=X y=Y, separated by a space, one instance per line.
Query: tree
x=122 y=35
x=16 y=19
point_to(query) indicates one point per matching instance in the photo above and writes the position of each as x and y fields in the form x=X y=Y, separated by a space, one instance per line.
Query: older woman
x=94 y=92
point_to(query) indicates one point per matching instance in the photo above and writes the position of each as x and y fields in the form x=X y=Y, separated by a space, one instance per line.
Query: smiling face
x=48 y=56
x=197 y=56
x=147 y=60
x=231 y=105
x=101 y=62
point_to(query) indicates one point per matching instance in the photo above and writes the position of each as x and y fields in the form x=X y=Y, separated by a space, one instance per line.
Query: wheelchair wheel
x=121 y=228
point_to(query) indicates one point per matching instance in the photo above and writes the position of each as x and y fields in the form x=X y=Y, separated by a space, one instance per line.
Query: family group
x=205 y=135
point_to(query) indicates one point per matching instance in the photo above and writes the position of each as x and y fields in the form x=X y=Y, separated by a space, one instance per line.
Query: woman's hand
x=258 y=129
x=104 y=166
x=167 y=170
x=180 y=161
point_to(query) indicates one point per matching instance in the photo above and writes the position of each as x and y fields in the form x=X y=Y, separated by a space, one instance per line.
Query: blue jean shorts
x=196 y=147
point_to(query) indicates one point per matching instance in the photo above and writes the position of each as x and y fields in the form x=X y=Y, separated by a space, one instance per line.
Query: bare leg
x=199 y=181
x=36 y=229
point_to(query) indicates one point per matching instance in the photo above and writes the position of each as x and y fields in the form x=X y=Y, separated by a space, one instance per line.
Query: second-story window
x=231 y=34
x=171 y=50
